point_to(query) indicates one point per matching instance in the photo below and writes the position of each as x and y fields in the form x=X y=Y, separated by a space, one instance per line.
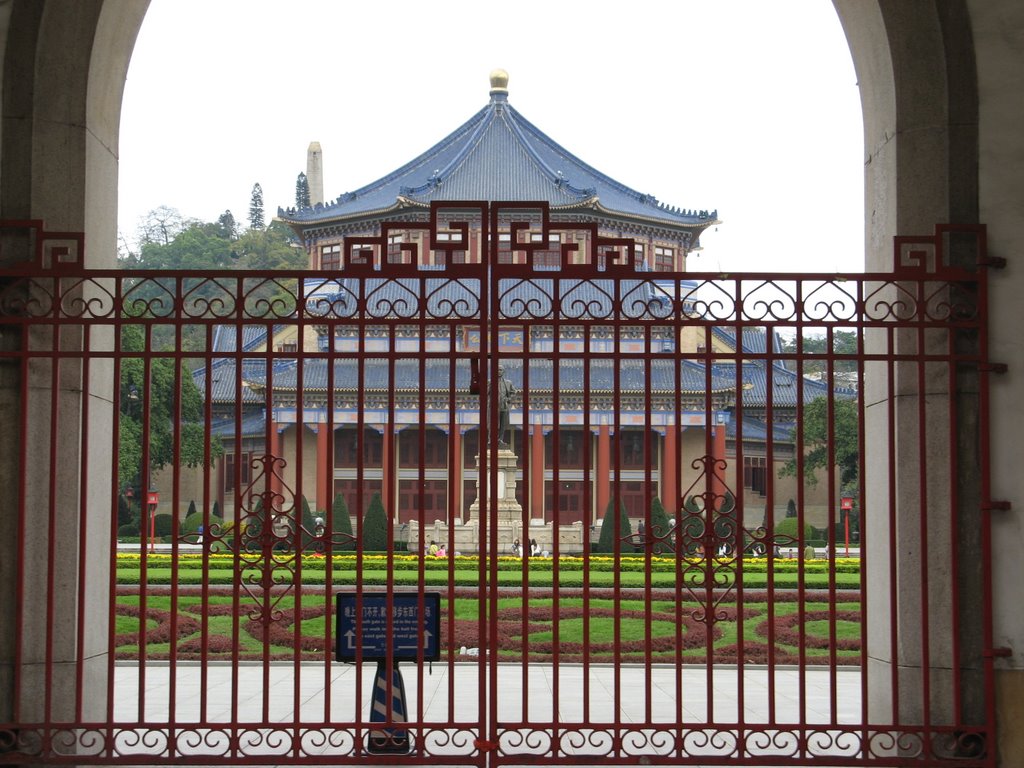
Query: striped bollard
x=389 y=740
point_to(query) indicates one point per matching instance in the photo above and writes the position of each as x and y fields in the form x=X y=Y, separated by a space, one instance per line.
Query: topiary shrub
x=375 y=526
x=341 y=523
x=659 y=528
x=610 y=532
x=163 y=524
x=791 y=508
x=790 y=527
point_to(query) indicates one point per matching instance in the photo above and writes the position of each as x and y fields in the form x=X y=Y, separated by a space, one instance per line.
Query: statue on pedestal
x=506 y=391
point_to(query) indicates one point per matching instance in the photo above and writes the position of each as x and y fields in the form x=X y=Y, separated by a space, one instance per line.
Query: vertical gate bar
x=391 y=507
x=360 y=320
x=645 y=512
x=145 y=404
x=116 y=357
x=922 y=506
x=801 y=517
x=832 y=452
x=241 y=501
x=674 y=508
x=489 y=314
x=741 y=662
x=424 y=362
x=275 y=496
x=707 y=547
x=985 y=455
x=51 y=542
x=862 y=482
x=617 y=512
x=301 y=536
x=952 y=362
x=455 y=505
x=176 y=463
x=556 y=520
x=589 y=511
x=21 y=548
x=894 y=631
x=328 y=543
x=525 y=544
x=204 y=590
x=83 y=521
x=769 y=543
x=738 y=511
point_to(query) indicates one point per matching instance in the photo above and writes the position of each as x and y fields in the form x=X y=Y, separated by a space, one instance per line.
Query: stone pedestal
x=509 y=508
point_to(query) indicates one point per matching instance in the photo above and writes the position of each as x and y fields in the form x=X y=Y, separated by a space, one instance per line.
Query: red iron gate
x=672 y=518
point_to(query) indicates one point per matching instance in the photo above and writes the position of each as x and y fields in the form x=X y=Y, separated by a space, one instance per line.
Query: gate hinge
x=996 y=262
x=993 y=367
x=998 y=653
x=997 y=506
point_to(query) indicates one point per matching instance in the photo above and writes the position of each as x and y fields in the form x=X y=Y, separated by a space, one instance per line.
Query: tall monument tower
x=315 y=172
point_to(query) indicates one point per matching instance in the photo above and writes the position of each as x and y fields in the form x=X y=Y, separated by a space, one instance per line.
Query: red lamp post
x=152 y=499
x=846 y=504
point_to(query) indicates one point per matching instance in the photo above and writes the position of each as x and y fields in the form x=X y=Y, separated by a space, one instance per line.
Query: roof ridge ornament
x=499 y=85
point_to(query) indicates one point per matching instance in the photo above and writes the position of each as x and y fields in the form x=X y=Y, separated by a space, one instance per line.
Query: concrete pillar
x=315 y=172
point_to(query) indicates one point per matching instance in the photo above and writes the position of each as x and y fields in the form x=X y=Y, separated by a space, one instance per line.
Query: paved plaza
x=447 y=699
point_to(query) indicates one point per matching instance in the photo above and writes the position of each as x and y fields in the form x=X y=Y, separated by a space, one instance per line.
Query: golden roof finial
x=499 y=81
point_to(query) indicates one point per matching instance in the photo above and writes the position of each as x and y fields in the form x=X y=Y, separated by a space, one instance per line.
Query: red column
x=275 y=448
x=385 y=466
x=670 y=472
x=455 y=476
x=537 y=473
x=604 y=451
x=323 y=472
x=718 y=485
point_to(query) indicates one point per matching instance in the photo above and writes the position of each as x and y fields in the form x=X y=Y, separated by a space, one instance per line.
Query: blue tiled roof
x=756 y=430
x=518 y=299
x=437 y=376
x=499 y=155
x=785 y=384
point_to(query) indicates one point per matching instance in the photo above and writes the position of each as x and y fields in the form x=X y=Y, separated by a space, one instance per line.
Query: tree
x=302 y=191
x=161 y=225
x=375 y=526
x=168 y=408
x=844 y=452
x=228 y=226
x=843 y=343
x=256 y=220
x=341 y=522
x=606 y=542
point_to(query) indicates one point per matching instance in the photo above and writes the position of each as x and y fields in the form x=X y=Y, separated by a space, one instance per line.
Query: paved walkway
x=444 y=708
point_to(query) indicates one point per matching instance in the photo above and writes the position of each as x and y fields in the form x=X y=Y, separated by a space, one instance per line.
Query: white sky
x=747 y=106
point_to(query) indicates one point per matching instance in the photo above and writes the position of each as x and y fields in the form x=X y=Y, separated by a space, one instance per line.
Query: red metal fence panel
x=498 y=497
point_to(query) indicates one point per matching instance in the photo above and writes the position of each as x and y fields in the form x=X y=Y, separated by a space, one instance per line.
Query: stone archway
x=63 y=74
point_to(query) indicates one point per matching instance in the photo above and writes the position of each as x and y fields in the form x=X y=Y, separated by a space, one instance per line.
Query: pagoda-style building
x=499 y=155
x=583 y=431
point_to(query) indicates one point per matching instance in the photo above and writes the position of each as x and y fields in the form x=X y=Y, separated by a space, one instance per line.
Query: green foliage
x=308 y=525
x=659 y=528
x=612 y=529
x=375 y=526
x=124 y=510
x=341 y=522
x=790 y=526
x=817 y=346
x=216 y=510
x=191 y=508
x=256 y=218
x=818 y=454
x=163 y=524
x=170 y=406
x=791 y=508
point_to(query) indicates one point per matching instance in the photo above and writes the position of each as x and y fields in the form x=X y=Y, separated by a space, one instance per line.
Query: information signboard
x=412 y=624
